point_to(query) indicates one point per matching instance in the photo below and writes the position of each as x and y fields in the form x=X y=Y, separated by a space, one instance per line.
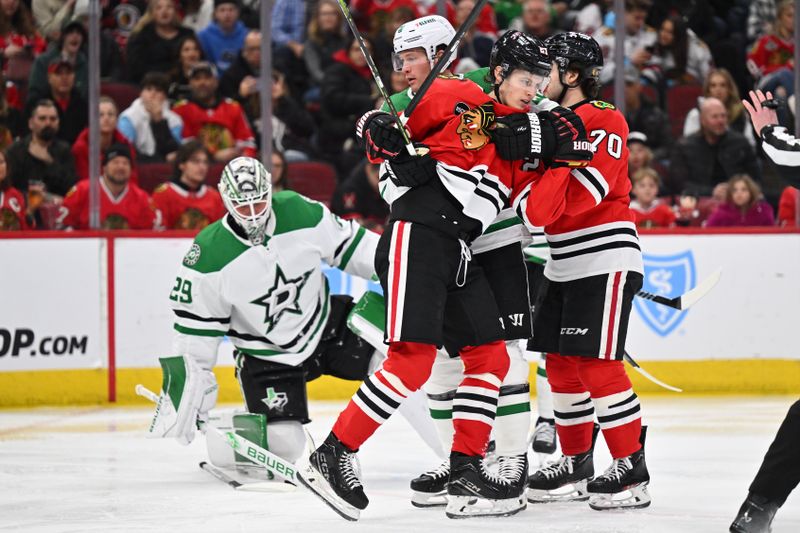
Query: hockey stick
x=687 y=299
x=439 y=66
x=376 y=75
x=220 y=475
x=649 y=376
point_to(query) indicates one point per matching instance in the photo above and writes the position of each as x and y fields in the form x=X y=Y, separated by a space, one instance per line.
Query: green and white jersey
x=271 y=300
x=507 y=228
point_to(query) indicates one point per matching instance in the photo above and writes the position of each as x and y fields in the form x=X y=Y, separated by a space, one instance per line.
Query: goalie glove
x=377 y=131
x=522 y=136
x=572 y=148
x=412 y=170
x=188 y=393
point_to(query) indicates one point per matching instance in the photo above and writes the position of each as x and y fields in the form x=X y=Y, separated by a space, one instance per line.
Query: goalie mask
x=430 y=33
x=246 y=189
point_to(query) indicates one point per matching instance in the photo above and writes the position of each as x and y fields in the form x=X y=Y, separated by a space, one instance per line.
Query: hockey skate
x=430 y=488
x=623 y=485
x=472 y=491
x=564 y=480
x=544 y=438
x=334 y=475
x=755 y=515
x=514 y=469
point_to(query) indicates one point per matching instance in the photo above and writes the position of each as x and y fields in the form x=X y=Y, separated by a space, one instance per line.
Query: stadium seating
x=314 y=179
x=123 y=94
x=680 y=100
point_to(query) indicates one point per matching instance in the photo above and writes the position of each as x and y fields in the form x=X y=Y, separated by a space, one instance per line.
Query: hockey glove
x=573 y=148
x=187 y=394
x=412 y=170
x=377 y=131
x=521 y=136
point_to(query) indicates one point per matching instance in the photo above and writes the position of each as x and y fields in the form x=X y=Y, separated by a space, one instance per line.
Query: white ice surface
x=92 y=469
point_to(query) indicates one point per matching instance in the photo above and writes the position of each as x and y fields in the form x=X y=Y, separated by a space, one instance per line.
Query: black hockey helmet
x=516 y=50
x=578 y=51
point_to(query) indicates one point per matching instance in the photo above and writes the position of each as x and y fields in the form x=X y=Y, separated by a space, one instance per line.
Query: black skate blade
x=340 y=507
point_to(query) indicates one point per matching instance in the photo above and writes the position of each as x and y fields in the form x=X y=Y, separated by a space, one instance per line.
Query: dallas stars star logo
x=283 y=297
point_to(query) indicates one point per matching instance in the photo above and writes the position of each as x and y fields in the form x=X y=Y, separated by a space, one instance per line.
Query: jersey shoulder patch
x=294 y=212
x=600 y=104
x=213 y=248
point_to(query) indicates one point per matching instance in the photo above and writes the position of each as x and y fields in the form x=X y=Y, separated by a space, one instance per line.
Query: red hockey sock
x=572 y=406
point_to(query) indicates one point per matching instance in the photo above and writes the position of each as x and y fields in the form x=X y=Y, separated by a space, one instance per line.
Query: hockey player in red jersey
x=123 y=205
x=440 y=202
x=581 y=312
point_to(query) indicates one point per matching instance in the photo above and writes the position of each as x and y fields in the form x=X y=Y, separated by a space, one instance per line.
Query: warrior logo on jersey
x=473 y=126
x=283 y=297
x=668 y=276
x=192 y=256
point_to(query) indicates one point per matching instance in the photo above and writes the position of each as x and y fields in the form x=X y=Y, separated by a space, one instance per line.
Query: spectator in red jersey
x=13 y=215
x=18 y=35
x=187 y=202
x=640 y=156
x=357 y=198
x=649 y=210
x=789 y=208
x=371 y=15
x=73 y=110
x=109 y=134
x=189 y=53
x=772 y=57
x=149 y=124
x=744 y=206
x=154 y=42
x=119 y=18
x=123 y=205
x=40 y=158
x=219 y=123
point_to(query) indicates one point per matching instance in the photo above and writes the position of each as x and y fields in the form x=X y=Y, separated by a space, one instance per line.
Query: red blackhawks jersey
x=219 y=127
x=184 y=209
x=453 y=120
x=131 y=210
x=12 y=210
x=586 y=212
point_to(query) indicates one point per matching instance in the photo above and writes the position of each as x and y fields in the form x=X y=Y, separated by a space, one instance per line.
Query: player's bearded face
x=474 y=125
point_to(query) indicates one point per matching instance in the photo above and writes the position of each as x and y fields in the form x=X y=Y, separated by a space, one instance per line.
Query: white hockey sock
x=513 y=418
x=544 y=394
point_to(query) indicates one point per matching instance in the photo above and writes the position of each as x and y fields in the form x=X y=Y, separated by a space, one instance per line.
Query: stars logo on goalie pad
x=283 y=297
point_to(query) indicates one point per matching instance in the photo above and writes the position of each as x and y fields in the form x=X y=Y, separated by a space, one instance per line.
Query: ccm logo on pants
x=574 y=331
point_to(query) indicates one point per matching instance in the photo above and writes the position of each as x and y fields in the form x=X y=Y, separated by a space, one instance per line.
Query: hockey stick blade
x=219 y=474
x=146 y=393
x=647 y=374
x=254 y=486
x=687 y=299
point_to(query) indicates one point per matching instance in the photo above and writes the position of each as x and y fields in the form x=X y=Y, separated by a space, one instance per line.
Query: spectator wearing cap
x=712 y=155
x=219 y=123
x=149 y=124
x=73 y=111
x=187 y=202
x=109 y=134
x=154 y=44
x=224 y=37
x=123 y=205
x=643 y=115
x=69 y=46
x=639 y=39
x=639 y=153
x=40 y=156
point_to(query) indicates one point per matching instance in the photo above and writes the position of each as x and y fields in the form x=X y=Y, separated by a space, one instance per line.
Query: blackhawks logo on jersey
x=473 y=126
x=283 y=297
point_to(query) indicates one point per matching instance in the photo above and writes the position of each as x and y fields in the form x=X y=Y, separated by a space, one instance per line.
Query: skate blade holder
x=469 y=507
x=636 y=497
x=322 y=490
x=571 y=492
x=427 y=500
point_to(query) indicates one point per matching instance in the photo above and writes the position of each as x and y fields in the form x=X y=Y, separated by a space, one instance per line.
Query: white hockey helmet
x=246 y=190
x=428 y=33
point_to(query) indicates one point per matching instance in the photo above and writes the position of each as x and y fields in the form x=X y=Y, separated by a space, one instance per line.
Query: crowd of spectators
x=190 y=70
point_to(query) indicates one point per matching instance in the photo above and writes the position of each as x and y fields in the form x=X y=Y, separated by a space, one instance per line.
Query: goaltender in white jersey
x=256 y=277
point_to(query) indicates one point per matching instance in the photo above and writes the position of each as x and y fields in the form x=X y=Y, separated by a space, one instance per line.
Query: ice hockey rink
x=92 y=469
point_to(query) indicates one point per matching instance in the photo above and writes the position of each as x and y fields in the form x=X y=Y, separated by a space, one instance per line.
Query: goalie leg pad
x=251 y=426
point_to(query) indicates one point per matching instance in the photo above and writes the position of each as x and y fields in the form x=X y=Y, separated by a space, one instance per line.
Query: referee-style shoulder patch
x=294 y=212
x=600 y=104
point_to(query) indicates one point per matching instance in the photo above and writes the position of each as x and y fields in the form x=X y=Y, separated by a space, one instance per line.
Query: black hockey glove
x=412 y=170
x=573 y=148
x=521 y=136
x=379 y=136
